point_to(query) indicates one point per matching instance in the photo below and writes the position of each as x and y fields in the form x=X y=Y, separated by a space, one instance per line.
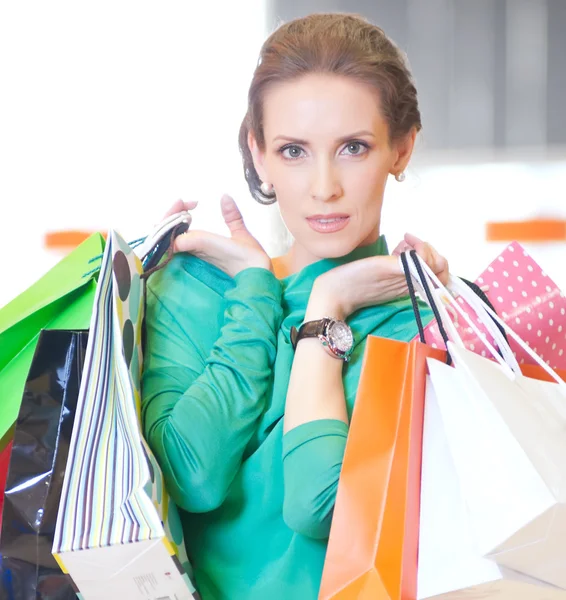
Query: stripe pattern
x=113 y=491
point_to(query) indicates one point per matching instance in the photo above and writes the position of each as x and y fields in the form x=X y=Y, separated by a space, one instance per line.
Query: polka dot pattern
x=122 y=274
x=128 y=340
x=529 y=302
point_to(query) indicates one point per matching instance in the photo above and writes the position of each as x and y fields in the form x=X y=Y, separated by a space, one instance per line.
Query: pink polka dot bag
x=527 y=300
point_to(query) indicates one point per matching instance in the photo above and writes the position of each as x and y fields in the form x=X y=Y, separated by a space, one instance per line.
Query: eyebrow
x=361 y=133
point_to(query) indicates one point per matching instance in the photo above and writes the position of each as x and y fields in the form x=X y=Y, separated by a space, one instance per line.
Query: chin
x=332 y=246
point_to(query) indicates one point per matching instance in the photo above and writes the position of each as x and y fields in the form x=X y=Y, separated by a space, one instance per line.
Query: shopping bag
x=373 y=545
x=4 y=462
x=506 y=437
x=451 y=565
x=117 y=534
x=61 y=299
x=507 y=440
x=37 y=466
x=527 y=299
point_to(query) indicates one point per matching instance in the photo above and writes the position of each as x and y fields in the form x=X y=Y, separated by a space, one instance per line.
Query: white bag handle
x=453 y=283
x=478 y=307
x=160 y=231
x=452 y=332
x=459 y=288
x=442 y=296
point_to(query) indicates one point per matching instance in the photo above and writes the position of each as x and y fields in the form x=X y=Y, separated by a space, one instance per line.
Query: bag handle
x=456 y=285
x=165 y=245
x=480 y=308
x=160 y=231
x=442 y=297
x=429 y=294
x=483 y=297
x=413 y=296
x=506 y=351
x=424 y=288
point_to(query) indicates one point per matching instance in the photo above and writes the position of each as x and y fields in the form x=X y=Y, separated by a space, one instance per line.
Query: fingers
x=186 y=242
x=190 y=205
x=412 y=240
x=409 y=242
x=434 y=260
x=232 y=216
x=196 y=242
x=400 y=248
x=180 y=206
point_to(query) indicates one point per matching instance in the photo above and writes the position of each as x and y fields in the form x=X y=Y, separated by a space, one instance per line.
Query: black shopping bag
x=37 y=468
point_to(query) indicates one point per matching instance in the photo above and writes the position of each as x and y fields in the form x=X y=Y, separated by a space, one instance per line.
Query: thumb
x=192 y=241
x=400 y=248
x=232 y=216
x=409 y=242
x=434 y=260
x=412 y=240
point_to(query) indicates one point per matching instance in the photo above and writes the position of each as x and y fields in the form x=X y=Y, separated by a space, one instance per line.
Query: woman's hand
x=180 y=206
x=369 y=281
x=230 y=254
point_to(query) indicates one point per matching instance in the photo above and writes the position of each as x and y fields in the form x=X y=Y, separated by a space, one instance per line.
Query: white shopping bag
x=506 y=436
x=118 y=535
x=507 y=439
x=451 y=565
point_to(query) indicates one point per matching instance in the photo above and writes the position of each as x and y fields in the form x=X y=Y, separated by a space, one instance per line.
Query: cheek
x=364 y=183
x=288 y=178
x=291 y=184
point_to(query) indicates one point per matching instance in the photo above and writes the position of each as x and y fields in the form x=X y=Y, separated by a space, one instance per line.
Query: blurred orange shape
x=534 y=230
x=67 y=239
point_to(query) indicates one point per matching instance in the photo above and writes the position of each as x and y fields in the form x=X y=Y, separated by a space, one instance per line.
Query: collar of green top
x=312 y=271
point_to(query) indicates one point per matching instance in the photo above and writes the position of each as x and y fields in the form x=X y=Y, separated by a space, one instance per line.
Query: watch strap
x=310 y=329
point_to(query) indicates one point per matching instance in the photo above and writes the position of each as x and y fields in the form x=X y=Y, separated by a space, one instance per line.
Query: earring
x=267 y=194
x=266 y=188
x=400 y=177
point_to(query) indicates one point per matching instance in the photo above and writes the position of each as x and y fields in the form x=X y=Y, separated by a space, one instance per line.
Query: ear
x=403 y=151
x=258 y=156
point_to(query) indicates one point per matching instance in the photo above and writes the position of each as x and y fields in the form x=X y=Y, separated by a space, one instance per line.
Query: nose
x=325 y=182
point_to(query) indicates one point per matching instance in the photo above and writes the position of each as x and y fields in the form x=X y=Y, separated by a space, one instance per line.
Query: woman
x=250 y=431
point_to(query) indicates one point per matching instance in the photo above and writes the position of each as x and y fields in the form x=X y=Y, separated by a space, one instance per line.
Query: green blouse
x=256 y=505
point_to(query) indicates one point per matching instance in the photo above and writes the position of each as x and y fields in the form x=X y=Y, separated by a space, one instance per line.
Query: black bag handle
x=413 y=296
x=474 y=287
x=483 y=297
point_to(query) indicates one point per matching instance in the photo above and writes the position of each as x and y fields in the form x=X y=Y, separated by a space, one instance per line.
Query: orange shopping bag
x=373 y=546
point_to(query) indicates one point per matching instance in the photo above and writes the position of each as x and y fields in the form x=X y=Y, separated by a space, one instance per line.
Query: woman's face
x=327 y=154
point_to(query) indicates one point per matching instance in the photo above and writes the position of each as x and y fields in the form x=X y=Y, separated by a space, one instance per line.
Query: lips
x=328 y=223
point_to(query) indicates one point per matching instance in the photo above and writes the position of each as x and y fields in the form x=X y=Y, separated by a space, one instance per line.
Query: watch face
x=340 y=336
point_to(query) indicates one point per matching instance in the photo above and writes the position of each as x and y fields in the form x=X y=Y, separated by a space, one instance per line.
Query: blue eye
x=355 y=148
x=291 y=151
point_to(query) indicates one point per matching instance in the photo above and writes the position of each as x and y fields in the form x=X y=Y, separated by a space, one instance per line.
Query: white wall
x=448 y=201
x=111 y=110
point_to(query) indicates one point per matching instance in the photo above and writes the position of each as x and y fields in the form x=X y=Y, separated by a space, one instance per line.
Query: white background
x=110 y=111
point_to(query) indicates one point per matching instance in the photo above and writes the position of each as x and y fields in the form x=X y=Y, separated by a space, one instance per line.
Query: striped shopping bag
x=118 y=535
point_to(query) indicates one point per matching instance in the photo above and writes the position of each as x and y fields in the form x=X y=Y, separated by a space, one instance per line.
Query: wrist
x=256 y=264
x=323 y=302
x=262 y=261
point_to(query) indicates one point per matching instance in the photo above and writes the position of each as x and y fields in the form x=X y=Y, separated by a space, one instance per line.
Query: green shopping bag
x=61 y=299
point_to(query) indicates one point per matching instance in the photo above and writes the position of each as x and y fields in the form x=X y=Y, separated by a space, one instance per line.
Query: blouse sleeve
x=204 y=388
x=312 y=460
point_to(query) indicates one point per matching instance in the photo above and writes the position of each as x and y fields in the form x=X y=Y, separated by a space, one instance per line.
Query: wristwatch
x=336 y=336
